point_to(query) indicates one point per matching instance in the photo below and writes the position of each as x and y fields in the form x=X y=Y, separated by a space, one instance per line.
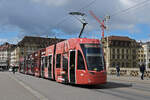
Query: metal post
x=107 y=60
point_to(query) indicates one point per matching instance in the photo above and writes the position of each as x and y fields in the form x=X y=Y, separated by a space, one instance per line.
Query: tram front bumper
x=97 y=79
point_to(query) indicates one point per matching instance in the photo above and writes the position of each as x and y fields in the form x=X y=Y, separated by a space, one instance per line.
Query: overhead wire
x=112 y=15
x=88 y=5
x=130 y=8
x=124 y=11
x=66 y=17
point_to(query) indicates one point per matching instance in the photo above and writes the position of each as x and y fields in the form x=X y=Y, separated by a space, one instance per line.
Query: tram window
x=58 y=59
x=42 y=61
x=80 y=61
x=45 y=62
x=49 y=61
x=65 y=61
x=72 y=58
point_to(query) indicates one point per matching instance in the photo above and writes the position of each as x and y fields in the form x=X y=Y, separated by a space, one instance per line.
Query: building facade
x=30 y=44
x=121 y=51
x=5 y=55
x=14 y=58
x=144 y=54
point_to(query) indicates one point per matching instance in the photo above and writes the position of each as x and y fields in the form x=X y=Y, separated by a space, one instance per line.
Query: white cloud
x=38 y=17
x=11 y=41
x=52 y=2
x=3 y=40
x=127 y=3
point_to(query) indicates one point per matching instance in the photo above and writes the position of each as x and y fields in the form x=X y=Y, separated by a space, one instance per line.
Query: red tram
x=75 y=61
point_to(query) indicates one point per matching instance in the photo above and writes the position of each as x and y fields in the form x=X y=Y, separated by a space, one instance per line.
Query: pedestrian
x=142 y=70
x=13 y=70
x=118 y=70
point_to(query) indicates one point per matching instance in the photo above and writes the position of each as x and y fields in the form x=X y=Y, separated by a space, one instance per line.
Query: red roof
x=6 y=46
x=119 y=38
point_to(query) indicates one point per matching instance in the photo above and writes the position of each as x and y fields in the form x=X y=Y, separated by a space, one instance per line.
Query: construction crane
x=102 y=24
x=103 y=27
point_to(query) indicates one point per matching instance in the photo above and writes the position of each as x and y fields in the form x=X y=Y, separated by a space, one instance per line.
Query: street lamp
x=81 y=20
x=77 y=13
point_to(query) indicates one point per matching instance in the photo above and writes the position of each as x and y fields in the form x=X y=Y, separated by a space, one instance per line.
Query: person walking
x=118 y=70
x=13 y=70
x=142 y=70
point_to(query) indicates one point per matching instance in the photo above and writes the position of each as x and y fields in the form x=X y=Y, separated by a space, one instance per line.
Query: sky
x=50 y=18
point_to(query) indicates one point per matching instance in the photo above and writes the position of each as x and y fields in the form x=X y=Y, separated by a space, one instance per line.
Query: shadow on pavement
x=108 y=85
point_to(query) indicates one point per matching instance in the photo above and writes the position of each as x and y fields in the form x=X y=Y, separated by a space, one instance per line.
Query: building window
x=127 y=51
x=113 y=56
x=116 y=43
x=128 y=44
x=113 y=43
x=118 y=51
x=123 y=64
x=122 y=50
x=127 y=64
x=118 y=57
x=121 y=43
x=127 y=56
x=134 y=57
x=113 y=50
x=125 y=43
x=133 y=51
x=149 y=65
x=134 y=64
x=122 y=56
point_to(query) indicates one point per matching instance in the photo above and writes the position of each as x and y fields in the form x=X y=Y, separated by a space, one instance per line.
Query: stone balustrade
x=129 y=72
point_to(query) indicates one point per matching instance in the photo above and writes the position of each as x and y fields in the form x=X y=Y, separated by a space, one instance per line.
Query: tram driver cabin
x=75 y=61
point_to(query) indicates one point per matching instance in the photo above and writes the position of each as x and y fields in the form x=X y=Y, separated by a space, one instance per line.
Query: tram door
x=65 y=67
x=50 y=66
x=72 y=66
x=42 y=66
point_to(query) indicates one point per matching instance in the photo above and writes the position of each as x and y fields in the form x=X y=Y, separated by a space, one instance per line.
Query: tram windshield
x=94 y=56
